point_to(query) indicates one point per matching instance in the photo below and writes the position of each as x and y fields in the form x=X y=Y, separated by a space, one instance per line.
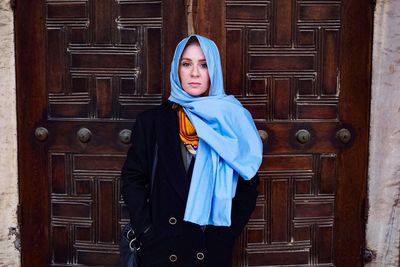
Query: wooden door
x=302 y=68
x=86 y=68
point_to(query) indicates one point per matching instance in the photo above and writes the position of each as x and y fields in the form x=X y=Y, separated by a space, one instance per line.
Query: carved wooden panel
x=97 y=63
x=103 y=67
x=289 y=57
x=294 y=218
x=87 y=211
x=286 y=74
x=104 y=58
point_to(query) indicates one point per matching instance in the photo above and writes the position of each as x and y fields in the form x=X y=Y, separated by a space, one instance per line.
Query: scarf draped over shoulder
x=229 y=144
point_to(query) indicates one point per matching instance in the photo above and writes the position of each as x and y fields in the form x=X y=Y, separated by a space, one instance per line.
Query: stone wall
x=9 y=255
x=383 y=227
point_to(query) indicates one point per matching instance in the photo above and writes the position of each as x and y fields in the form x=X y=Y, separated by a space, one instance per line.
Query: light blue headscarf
x=229 y=143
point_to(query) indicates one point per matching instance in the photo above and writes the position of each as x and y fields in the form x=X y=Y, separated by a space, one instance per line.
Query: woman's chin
x=196 y=92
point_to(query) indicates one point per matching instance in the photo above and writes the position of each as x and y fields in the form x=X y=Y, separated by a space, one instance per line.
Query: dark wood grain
x=97 y=65
x=286 y=64
x=176 y=24
x=94 y=65
x=209 y=20
x=31 y=105
x=356 y=51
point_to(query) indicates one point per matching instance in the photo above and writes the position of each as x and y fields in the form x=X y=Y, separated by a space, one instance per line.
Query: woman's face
x=193 y=71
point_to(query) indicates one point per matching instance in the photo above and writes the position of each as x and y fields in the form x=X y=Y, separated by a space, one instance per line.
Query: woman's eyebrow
x=185 y=58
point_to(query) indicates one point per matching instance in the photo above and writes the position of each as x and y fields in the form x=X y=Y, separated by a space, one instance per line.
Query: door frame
x=31 y=110
x=355 y=88
x=354 y=107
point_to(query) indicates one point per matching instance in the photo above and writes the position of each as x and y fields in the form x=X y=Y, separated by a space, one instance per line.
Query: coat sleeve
x=243 y=203
x=135 y=177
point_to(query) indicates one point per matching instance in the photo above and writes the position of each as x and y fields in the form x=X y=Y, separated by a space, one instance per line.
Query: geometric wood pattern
x=87 y=211
x=294 y=218
x=98 y=63
x=103 y=58
x=289 y=57
x=104 y=65
x=287 y=74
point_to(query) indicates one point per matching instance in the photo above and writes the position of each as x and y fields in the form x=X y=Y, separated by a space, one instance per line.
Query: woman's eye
x=204 y=65
x=185 y=64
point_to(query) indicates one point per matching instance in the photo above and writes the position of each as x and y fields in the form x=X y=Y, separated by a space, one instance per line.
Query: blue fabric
x=229 y=143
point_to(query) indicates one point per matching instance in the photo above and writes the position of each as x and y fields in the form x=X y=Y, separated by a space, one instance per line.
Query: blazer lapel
x=170 y=153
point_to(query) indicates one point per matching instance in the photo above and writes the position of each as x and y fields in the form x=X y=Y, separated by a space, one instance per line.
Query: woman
x=207 y=152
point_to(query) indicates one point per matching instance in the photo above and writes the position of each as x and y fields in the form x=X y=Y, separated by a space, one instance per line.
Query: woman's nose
x=195 y=72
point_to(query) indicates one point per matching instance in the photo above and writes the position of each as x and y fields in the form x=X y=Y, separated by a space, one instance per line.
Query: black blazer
x=166 y=239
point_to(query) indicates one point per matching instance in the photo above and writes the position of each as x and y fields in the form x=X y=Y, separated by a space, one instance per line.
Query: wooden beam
x=189 y=16
x=174 y=30
x=209 y=21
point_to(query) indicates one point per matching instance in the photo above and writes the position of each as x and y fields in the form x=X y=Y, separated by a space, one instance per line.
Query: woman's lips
x=195 y=84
